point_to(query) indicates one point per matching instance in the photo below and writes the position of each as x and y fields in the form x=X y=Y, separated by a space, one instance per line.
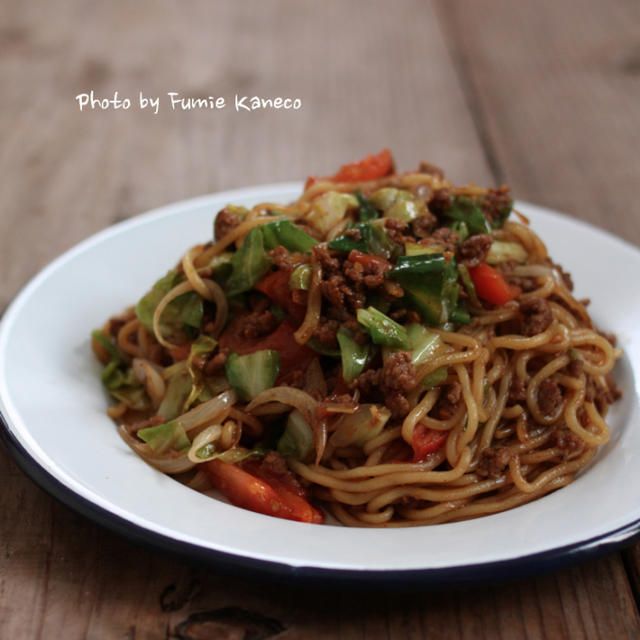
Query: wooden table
x=543 y=95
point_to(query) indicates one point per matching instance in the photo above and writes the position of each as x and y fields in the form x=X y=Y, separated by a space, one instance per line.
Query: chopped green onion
x=382 y=329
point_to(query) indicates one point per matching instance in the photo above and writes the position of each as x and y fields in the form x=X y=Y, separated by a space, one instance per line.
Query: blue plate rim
x=491 y=572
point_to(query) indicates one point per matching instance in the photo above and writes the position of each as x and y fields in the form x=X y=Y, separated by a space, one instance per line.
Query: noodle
x=341 y=370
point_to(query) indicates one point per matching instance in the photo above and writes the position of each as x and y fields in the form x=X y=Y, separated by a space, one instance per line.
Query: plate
x=55 y=424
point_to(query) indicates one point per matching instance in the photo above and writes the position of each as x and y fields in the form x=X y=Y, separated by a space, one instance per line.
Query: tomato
x=293 y=356
x=491 y=286
x=426 y=440
x=290 y=492
x=371 y=167
x=276 y=286
x=250 y=492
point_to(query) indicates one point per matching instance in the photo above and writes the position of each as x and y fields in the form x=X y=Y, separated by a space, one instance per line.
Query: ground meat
x=495 y=201
x=567 y=440
x=575 y=367
x=474 y=250
x=329 y=262
x=448 y=402
x=517 y=392
x=367 y=382
x=537 y=315
x=282 y=258
x=326 y=333
x=346 y=282
x=398 y=372
x=396 y=378
x=424 y=225
x=226 y=221
x=340 y=294
x=431 y=169
x=217 y=362
x=440 y=201
x=395 y=230
x=370 y=274
x=549 y=396
x=493 y=461
x=257 y=324
x=445 y=237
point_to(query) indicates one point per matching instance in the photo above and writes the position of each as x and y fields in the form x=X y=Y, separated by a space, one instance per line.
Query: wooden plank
x=68 y=174
x=554 y=89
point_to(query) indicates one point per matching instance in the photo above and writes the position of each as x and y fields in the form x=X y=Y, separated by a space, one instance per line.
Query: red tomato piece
x=275 y=285
x=250 y=492
x=426 y=441
x=491 y=286
x=371 y=167
x=290 y=492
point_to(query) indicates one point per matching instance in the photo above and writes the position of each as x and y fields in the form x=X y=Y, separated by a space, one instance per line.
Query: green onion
x=382 y=329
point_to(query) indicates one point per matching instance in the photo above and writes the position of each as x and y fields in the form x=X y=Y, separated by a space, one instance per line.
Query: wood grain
x=555 y=89
x=537 y=94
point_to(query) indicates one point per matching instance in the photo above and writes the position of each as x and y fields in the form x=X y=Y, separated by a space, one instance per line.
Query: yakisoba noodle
x=389 y=347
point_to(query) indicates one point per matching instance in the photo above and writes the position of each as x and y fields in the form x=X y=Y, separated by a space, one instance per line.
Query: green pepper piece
x=465 y=209
x=287 y=234
x=382 y=329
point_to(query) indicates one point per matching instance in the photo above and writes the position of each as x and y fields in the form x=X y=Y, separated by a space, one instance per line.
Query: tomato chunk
x=491 y=286
x=275 y=285
x=426 y=441
x=255 y=494
x=371 y=167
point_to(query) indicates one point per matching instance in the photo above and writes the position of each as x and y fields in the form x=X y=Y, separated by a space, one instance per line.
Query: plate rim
x=496 y=571
x=525 y=564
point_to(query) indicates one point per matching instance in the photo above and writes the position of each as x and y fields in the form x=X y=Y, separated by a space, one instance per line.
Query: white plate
x=56 y=427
